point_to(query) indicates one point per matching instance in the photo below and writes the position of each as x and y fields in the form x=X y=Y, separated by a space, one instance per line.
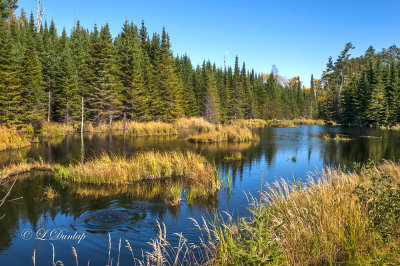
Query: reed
x=341 y=138
x=337 y=217
x=11 y=138
x=303 y=121
x=322 y=223
x=337 y=137
x=149 y=165
x=198 y=124
x=233 y=156
x=24 y=167
x=251 y=123
x=49 y=193
x=150 y=129
x=225 y=133
x=54 y=130
x=281 y=124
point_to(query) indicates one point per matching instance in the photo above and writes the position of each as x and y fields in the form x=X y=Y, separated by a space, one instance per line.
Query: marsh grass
x=54 y=130
x=11 y=138
x=161 y=251
x=198 y=124
x=250 y=123
x=225 y=133
x=49 y=193
x=151 y=129
x=341 y=138
x=25 y=167
x=304 y=121
x=281 y=124
x=394 y=127
x=234 y=157
x=338 y=217
x=321 y=223
x=149 y=165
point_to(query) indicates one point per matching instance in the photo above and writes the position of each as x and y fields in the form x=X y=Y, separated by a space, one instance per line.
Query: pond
x=83 y=216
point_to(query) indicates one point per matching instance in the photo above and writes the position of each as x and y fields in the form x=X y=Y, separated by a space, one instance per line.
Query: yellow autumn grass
x=304 y=121
x=149 y=165
x=321 y=223
x=11 y=138
x=225 y=133
x=250 y=123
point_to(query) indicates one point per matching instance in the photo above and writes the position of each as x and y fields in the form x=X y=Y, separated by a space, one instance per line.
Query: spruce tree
x=186 y=74
x=167 y=86
x=10 y=91
x=134 y=95
x=33 y=93
x=103 y=103
x=377 y=109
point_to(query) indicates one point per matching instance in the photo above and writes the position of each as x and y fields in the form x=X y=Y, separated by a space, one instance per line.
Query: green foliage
x=44 y=76
x=363 y=90
x=7 y=7
x=382 y=199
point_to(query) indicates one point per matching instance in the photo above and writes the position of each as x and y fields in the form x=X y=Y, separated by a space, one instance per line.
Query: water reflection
x=132 y=211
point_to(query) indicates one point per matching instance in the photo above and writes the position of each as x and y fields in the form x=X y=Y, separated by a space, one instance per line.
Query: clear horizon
x=297 y=37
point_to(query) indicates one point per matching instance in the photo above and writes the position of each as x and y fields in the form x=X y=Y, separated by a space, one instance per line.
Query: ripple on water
x=110 y=219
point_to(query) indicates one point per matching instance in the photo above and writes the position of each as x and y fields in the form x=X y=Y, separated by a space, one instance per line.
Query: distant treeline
x=45 y=76
x=364 y=90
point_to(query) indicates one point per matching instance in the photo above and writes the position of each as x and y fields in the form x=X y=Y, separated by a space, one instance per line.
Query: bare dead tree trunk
x=124 y=124
x=49 y=106
x=82 y=118
x=39 y=16
x=67 y=112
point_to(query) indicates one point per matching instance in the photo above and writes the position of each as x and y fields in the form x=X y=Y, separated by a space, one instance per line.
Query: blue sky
x=296 y=36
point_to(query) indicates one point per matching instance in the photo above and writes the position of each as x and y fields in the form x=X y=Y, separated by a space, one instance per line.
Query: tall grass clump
x=281 y=124
x=50 y=129
x=11 y=138
x=198 y=124
x=225 y=133
x=304 y=121
x=337 y=218
x=49 y=193
x=250 y=123
x=150 y=129
x=24 y=167
x=233 y=157
x=149 y=165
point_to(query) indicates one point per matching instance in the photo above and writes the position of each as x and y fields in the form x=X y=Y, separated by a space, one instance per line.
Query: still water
x=89 y=213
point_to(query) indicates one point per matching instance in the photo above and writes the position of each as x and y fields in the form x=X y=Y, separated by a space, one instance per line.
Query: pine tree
x=348 y=100
x=393 y=93
x=79 y=51
x=7 y=7
x=66 y=92
x=211 y=101
x=234 y=93
x=248 y=107
x=10 y=93
x=168 y=87
x=377 y=109
x=33 y=93
x=103 y=86
x=186 y=74
x=134 y=94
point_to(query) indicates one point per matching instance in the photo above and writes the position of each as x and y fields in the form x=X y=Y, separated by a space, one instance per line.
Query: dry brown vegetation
x=11 y=138
x=225 y=133
x=281 y=124
x=303 y=121
x=150 y=165
x=251 y=123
